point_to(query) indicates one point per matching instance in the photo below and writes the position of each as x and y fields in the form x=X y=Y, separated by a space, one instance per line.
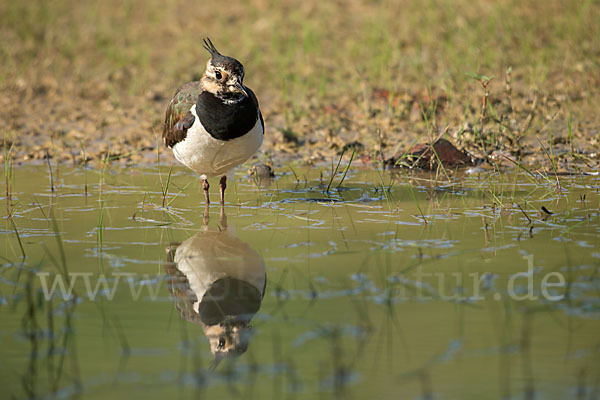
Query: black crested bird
x=218 y=282
x=214 y=124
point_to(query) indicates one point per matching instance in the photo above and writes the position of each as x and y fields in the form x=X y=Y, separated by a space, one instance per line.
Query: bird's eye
x=218 y=75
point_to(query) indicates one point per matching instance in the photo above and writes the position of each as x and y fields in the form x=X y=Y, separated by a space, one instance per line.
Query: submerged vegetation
x=373 y=284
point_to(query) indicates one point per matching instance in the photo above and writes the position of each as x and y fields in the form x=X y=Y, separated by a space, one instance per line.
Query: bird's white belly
x=208 y=156
x=209 y=256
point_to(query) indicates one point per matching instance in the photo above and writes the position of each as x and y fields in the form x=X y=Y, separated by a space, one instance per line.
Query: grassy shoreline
x=85 y=80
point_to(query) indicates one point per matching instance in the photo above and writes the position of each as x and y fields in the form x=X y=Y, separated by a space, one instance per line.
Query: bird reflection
x=218 y=282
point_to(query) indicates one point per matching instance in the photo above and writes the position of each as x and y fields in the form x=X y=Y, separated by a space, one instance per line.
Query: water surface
x=390 y=286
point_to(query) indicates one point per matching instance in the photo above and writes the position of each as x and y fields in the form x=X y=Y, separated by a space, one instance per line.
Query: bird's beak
x=238 y=88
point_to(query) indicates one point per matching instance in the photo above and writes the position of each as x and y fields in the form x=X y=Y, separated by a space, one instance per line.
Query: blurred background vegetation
x=100 y=73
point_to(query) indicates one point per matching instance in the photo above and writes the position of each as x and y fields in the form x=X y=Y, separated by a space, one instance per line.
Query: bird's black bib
x=229 y=298
x=226 y=121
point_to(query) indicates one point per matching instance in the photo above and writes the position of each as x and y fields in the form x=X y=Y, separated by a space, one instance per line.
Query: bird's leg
x=205 y=187
x=222 y=187
x=223 y=217
x=206 y=216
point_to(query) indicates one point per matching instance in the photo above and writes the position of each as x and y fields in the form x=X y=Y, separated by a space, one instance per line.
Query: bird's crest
x=210 y=47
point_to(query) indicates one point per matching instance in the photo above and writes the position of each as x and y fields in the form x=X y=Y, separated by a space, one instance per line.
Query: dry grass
x=98 y=75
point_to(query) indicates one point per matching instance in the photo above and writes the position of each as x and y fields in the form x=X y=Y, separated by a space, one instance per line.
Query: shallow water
x=458 y=288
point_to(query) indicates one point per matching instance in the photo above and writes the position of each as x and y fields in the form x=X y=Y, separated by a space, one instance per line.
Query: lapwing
x=218 y=282
x=214 y=124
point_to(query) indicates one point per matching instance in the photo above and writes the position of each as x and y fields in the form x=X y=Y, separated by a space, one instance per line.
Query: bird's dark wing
x=178 y=119
x=179 y=287
x=255 y=101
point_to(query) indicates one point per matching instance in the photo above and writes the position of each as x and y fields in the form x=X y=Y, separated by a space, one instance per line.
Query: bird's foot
x=223 y=217
x=206 y=216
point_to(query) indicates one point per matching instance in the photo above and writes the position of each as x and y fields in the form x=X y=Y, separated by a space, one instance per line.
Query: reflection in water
x=218 y=282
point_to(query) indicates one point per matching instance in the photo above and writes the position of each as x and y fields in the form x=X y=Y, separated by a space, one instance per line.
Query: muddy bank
x=76 y=125
x=500 y=81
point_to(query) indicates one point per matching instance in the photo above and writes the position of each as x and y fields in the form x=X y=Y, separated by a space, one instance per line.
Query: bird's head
x=223 y=76
x=229 y=339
